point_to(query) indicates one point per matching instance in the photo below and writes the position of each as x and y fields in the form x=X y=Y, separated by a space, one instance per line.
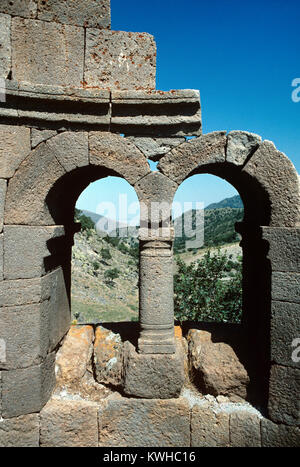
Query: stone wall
x=79 y=104
x=88 y=412
x=70 y=44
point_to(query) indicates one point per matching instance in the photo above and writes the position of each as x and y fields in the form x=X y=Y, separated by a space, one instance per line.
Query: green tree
x=86 y=222
x=209 y=289
x=110 y=275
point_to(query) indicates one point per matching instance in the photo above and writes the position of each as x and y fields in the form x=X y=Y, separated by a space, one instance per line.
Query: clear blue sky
x=241 y=55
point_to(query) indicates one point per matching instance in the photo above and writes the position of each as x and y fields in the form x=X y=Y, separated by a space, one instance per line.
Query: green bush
x=96 y=265
x=86 y=222
x=105 y=253
x=111 y=274
x=205 y=291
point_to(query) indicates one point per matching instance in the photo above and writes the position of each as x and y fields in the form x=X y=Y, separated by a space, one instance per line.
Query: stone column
x=156 y=296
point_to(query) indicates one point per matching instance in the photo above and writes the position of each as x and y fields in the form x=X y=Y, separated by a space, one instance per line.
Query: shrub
x=96 y=265
x=111 y=274
x=205 y=292
x=105 y=253
x=86 y=222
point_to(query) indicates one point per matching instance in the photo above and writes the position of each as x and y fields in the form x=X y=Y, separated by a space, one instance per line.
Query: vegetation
x=85 y=221
x=110 y=275
x=131 y=248
x=218 y=228
x=105 y=254
x=209 y=289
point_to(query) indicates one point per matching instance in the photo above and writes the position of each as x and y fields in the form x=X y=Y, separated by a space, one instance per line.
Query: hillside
x=234 y=202
x=218 y=227
x=105 y=269
x=96 y=294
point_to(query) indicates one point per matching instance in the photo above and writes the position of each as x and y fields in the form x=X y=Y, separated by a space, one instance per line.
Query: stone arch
x=265 y=178
x=60 y=168
x=38 y=238
x=269 y=186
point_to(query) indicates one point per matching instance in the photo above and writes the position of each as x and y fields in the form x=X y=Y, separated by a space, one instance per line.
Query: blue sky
x=242 y=56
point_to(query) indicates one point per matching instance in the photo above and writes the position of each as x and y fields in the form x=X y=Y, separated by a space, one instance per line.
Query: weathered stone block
x=285 y=328
x=156 y=193
x=207 y=149
x=47 y=53
x=25 y=250
x=118 y=154
x=240 y=145
x=3 y=186
x=120 y=60
x=286 y=286
x=279 y=436
x=284 y=248
x=90 y=13
x=56 y=305
x=1 y=258
x=151 y=376
x=278 y=177
x=108 y=357
x=71 y=149
x=24 y=329
x=23 y=8
x=20 y=432
x=69 y=424
x=155 y=148
x=244 y=428
x=28 y=190
x=38 y=136
x=1 y=357
x=145 y=423
x=209 y=428
x=20 y=292
x=74 y=357
x=284 y=403
x=27 y=390
x=14 y=147
x=5 y=47
x=157 y=113
x=216 y=368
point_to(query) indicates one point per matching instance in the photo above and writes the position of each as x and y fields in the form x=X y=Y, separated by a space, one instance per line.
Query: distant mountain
x=219 y=220
x=92 y=215
x=104 y=225
x=235 y=202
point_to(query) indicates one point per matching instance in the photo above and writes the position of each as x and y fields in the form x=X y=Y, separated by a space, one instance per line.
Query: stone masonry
x=80 y=104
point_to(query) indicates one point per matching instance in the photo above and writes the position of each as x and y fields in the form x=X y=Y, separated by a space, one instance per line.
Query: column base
x=157 y=339
x=153 y=376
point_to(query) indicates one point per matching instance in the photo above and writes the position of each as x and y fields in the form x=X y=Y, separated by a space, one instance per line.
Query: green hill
x=218 y=227
x=233 y=202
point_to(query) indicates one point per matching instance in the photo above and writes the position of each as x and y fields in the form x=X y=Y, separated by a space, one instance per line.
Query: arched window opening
x=207 y=251
x=105 y=254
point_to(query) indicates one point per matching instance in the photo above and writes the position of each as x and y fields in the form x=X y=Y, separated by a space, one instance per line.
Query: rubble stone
x=74 y=357
x=216 y=366
x=108 y=357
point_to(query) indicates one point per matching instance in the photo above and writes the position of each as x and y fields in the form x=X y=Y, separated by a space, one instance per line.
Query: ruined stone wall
x=79 y=104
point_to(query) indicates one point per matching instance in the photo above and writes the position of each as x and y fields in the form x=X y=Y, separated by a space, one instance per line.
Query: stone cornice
x=153 y=113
